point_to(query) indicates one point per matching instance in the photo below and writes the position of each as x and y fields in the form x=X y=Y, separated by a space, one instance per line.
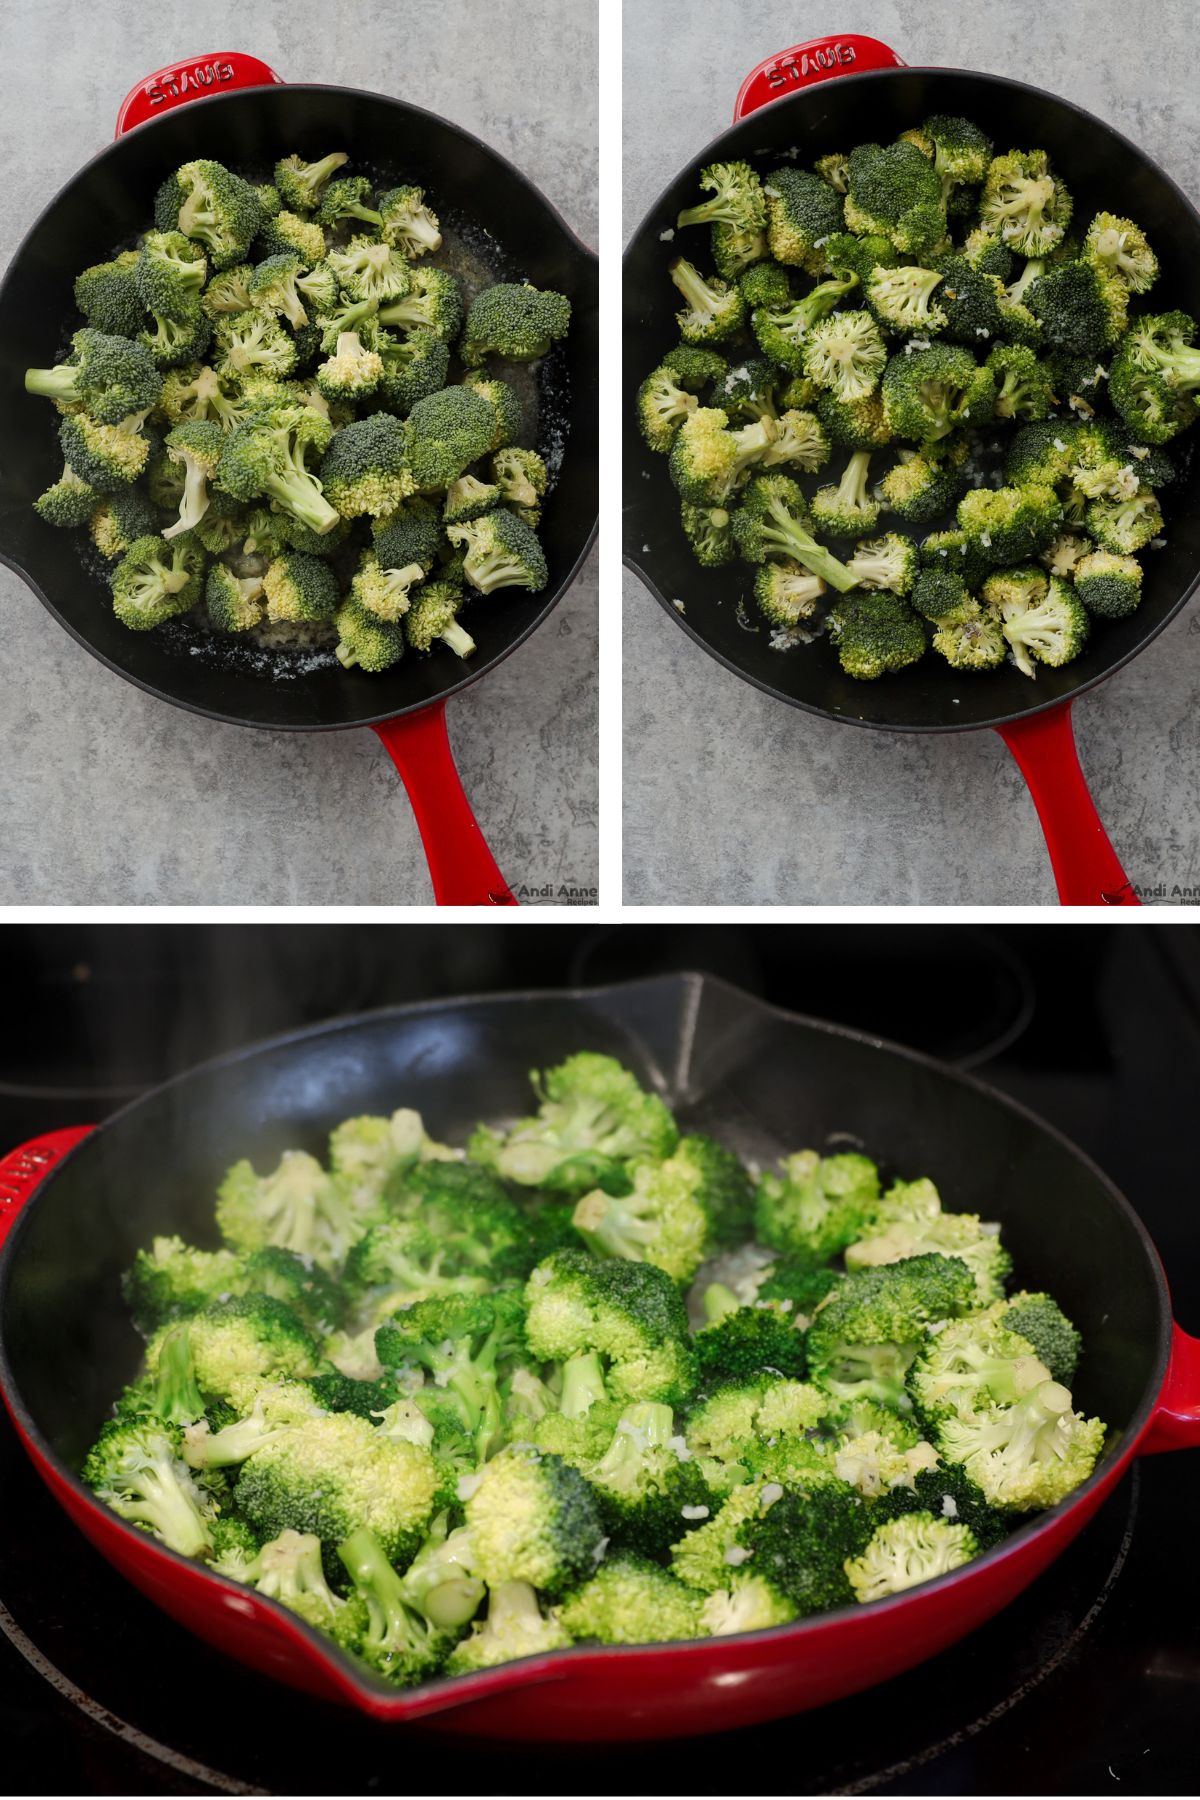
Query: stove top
x=1089 y=1682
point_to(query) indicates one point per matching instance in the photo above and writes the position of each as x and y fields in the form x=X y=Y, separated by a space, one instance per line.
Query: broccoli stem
x=792 y=538
x=195 y=501
x=459 y=640
x=583 y=1385
x=55 y=384
x=178 y=1397
x=719 y=1300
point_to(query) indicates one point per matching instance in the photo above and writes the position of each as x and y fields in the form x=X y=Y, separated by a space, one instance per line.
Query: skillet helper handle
x=820 y=59
x=462 y=868
x=1085 y=864
x=1175 y=1423
x=193 y=79
x=23 y=1169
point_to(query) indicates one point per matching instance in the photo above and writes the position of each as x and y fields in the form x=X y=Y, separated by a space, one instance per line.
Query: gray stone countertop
x=732 y=797
x=109 y=797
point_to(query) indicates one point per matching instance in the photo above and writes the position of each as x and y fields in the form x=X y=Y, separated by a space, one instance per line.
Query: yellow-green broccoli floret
x=155 y=581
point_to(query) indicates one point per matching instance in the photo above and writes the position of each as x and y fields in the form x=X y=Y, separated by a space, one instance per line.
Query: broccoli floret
x=69 y=503
x=663 y=1219
x=972 y=299
x=196 y=445
x=954 y=553
x=397 y=1640
x=532 y=1517
x=1123 y=527
x=793 y=1278
x=948 y=1493
x=961 y=152
x=110 y=377
x=514 y=1627
x=508 y=415
x=714 y=310
x=708 y=531
x=733 y=1426
x=1042 y=1322
x=274 y=287
x=802 y=212
x=206 y=202
x=1119 y=248
x=885 y=562
x=875 y=634
x=400 y=1261
x=433 y=618
x=848 y=509
x=238 y=1344
x=277 y=1408
x=700 y=1558
x=1043 y=621
x=751 y=1338
x=172 y=1279
x=469 y=498
x=174 y=1393
x=592 y=1120
x=353 y=371
x=847 y=253
x=930 y=392
x=235 y=603
x=773 y=521
x=447 y=432
x=1062 y=555
x=300 y=184
x=501 y=551
x=922 y=485
x=288 y=232
x=737 y=199
x=460 y=1340
x=892 y=191
x=628 y=1313
x=786 y=594
x=136 y=1469
x=766 y=284
x=170 y=273
x=346 y=198
x=971 y=638
x=902 y=299
x=907 y=1551
x=873 y=1464
x=365 y=469
x=297 y=1207
x=1024 y=203
x=782 y=327
x=107 y=296
x=1010 y=524
x=155 y=581
x=300 y=588
x=801 y=1541
x=940 y=593
x=268 y=455
x=1081 y=308
x=441 y=1582
x=515 y=321
x=846 y=355
x=814 y=1206
x=863 y=1339
x=383 y=592
x=891 y=1239
x=971 y=1366
x=298 y=1281
x=1028 y=1455
x=631 y=1600
x=1109 y=585
x=854 y=424
x=410 y=534
x=709 y=461
x=178 y=340
x=229 y=292
x=643 y=1483
x=1023 y=387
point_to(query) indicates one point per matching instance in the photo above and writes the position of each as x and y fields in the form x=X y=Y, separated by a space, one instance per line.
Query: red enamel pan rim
x=200 y=108
x=797 y=100
x=370 y=1694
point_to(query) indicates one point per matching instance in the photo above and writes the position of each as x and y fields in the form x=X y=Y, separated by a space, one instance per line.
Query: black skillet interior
x=1103 y=171
x=517 y=233
x=764 y=1081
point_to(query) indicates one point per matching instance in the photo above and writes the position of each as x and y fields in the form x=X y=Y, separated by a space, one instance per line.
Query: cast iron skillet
x=1102 y=169
x=206 y=108
x=766 y=1081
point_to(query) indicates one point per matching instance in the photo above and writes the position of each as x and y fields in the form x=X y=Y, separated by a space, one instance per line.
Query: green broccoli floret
x=447 y=432
x=346 y=198
x=961 y=152
x=891 y=190
x=108 y=376
x=1110 y=586
x=238 y=1344
x=854 y=424
x=170 y=273
x=136 y=1469
x=276 y=1409
x=773 y=521
x=268 y=455
x=927 y=393
x=631 y=1600
x=412 y=533
x=940 y=593
x=714 y=310
x=891 y=1236
x=737 y=199
x=707 y=530
x=782 y=327
x=300 y=588
x=948 y=1493
x=845 y=354
x=663 y=1219
x=875 y=633
x=235 y=603
x=383 y=592
x=972 y=300
x=863 y=1339
x=185 y=338
x=885 y=562
x=920 y=486
x=441 y=1582
x=514 y=1627
x=155 y=581
x=107 y=296
x=515 y=321
x=1010 y=524
x=532 y=1518
x=630 y=1314
x=297 y=1206
x=1123 y=526
x=1080 y=307
x=793 y=1279
x=301 y=184
x=298 y=1281
x=902 y=299
x=971 y=1366
x=69 y=503
x=1024 y=203
x=786 y=594
x=766 y=284
x=229 y=292
x=206 y=202
x=1028 y=1455
x=800 y=1542
x=971 y=638
x=802 y=212
x=1119 y=248
x=508 y=414
x=848 y=510
x=709 y=461
x=1039 y=1319
x=907 y=1551
x=365 y=469
x=433 y=618
x=196 y=445
x=747 y=1340
x=501 y=551
x=1042 y=620
x=593 y=1119
x=397 y=1641
x=1023 y=387
x=645 y=1480
x=814 y=1206
x=172 y=1279
x=288 y=232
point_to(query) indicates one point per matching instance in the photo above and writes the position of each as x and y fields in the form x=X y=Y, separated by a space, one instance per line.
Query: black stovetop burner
x=1090 y=1682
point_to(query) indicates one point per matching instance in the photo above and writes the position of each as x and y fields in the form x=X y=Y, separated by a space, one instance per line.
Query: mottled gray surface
x=111 y=797
x=732 y=797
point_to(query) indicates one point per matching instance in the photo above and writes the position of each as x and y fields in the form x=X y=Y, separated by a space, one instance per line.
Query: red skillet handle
x=1085 y=863
x=1175 y=1424
x=820 y=59
x=463 y=869
x=193 y=79
x=24 y=1168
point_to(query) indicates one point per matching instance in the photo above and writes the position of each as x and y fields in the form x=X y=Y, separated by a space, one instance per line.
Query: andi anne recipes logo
x=560 y=893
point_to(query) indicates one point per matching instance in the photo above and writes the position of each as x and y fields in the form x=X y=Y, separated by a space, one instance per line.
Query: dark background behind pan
x=1102 y=169
x=108 y=203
